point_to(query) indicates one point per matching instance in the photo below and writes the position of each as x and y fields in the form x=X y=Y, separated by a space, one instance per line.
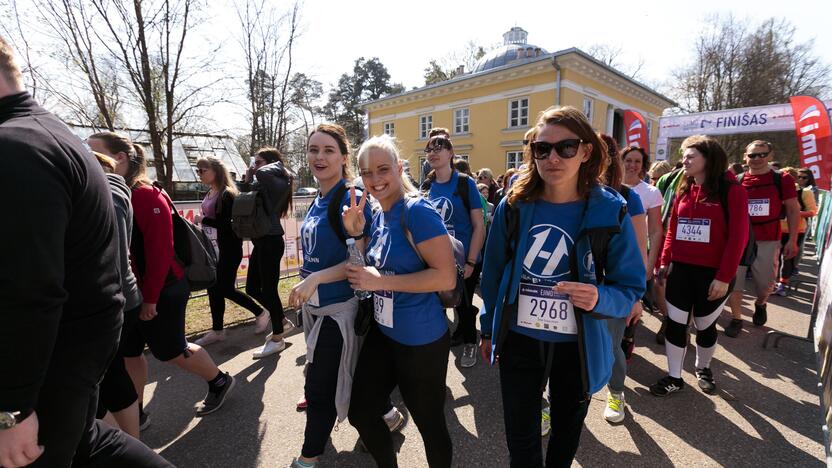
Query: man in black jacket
x=60 y=293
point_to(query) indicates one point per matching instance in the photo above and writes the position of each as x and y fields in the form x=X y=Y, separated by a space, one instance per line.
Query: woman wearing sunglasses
x=216 y=222
x=409 y=258
x=808 y=210
x=541 y=289
x=457 y=200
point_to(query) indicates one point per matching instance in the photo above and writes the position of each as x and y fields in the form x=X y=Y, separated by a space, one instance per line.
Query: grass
x=198 y=316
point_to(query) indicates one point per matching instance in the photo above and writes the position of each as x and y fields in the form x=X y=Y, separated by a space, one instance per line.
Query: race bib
x=212 y=234
x=758 y=206
x=314 y=300
x=383 y=308
x=694 y=230
x=541 y=308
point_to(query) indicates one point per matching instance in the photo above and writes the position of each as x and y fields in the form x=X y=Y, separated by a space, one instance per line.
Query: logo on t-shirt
x=308 y=233
x=548 y=254
x=445 y=207
x=379 y=248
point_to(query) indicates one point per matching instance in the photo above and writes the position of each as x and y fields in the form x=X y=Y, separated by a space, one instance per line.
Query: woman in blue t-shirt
x=456 y=199
x=409 y=344
x=328 y=303
x=543 y=292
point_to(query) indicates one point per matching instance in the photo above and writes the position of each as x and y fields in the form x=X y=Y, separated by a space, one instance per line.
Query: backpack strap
x=406 y=231
x=463 y=191
x=333 y=212
x=800 y=199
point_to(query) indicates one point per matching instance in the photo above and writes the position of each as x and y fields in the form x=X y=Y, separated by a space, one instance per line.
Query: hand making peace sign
x=353 y=216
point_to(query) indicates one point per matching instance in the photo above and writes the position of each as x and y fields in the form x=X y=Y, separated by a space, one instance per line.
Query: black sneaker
x=733 y=328
x=214 y=400
x=706 y=380
x=666 y=386
x=144 y=420
x=760 y=314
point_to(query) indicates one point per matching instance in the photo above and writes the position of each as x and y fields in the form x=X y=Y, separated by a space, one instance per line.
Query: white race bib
x=694 y=230
x=758 y=206
x=383 y=308
x=541 y=308
x=212 y=234
x=314 y=300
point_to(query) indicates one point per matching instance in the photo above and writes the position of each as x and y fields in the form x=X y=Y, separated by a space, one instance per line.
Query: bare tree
x=610 y=55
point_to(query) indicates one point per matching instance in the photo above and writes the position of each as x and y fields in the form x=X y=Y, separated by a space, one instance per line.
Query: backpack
x=462 y=189
x=194 y=251
x=451 y=297
x=249 y=217
x=333 y=212
x=749 y=254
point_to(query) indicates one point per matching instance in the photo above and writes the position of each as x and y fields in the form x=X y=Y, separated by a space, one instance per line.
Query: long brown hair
x=614 y=175
x=222 y=178
x=338 y=133
x=716 y=163
x=529 y=184
x=115 y=143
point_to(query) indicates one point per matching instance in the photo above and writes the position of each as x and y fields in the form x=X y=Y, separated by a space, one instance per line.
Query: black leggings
x=321 y=383
x=226 y=288
x=116 y=391
x=787 y=265
x=687 y=295
x=466 y=311
x=263 y=276
x=420 y=373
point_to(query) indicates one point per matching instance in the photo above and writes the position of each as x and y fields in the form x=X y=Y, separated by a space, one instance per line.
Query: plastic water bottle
x=355 y=257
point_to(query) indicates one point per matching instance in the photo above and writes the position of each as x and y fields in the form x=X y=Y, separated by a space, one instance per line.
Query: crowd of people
x=566 y=252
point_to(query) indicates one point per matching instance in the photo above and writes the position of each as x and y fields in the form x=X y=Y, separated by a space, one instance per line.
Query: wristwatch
x=10 y=419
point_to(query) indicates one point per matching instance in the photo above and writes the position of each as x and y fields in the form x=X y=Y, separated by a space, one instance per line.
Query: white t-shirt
x=651 y=197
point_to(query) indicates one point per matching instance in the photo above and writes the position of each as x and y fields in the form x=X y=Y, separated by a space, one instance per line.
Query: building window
x=461 y=120
x=425 y=124
x=514 y=159
x=649 y=129
x=588 y=109
x=518 y=113
x=390 y=128
x=461 y=156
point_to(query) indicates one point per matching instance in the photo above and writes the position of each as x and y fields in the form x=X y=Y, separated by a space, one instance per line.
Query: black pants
x=787 y=265
x=66 y=411
x=117 y=391
x=522 y=366
x=420 y=373
x=321 y=382
x=263 y=276
x=466 y=312
x=226 y=288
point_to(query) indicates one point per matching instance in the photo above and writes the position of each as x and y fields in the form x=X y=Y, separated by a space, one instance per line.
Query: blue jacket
x=623 y=284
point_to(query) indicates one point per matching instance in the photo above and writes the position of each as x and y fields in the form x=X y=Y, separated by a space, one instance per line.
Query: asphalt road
x=766 y=411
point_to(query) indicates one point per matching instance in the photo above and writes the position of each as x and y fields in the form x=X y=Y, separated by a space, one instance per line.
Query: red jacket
x=697 y=233
x=152 y=216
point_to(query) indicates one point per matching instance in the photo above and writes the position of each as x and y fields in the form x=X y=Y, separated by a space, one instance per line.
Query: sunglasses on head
x=565 y=149
x=757 y=155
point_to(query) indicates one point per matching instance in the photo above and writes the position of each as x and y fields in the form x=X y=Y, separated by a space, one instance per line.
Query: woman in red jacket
x=161 y=278
x=700 y=257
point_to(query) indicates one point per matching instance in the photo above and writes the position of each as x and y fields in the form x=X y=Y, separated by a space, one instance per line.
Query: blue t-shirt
x=634 y=205
x=451 y=208
x=545 y=263
x=322 y=248
x=418 y=318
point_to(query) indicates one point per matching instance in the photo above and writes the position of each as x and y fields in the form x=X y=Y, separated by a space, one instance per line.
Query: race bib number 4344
x=694 y=230
x=541 y=308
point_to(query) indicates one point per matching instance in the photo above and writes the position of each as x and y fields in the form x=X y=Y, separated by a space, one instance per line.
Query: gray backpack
x=249 y=217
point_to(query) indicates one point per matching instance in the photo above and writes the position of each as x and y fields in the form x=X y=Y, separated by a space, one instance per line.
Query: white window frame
x=588 y=108
x=462 y=120
x=521 y=120
x=462 y=156
x=390 y=128
x=425 y=124
x=517 y=161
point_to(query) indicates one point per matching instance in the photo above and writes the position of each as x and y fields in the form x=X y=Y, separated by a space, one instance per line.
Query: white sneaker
x=394 y=420
x=211 y=337
x=262 y=322
x=269 y=347
x=614 y=412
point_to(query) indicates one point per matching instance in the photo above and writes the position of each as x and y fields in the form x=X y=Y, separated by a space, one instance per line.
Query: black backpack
x=750 y=252
x=249 y=217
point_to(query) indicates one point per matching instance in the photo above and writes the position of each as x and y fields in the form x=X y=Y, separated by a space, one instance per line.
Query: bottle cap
x=350 y=241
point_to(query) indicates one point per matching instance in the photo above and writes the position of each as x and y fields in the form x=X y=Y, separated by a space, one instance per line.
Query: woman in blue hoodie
x=545 y=300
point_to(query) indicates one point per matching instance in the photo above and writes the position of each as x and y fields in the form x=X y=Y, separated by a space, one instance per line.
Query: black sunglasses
x=757 y=155
x=566 y=149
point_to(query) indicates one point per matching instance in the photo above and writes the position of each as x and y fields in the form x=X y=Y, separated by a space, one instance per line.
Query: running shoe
x=760 y=314
x=545 y=421
x=213 y=336
x=706 y=380
x=469 y=355
x=666 y=386
x=144 y=420
x=262 y=322
x=734 y=328
x=780 y=290
x=614 y=412
x=269 y=347
x=394 y=420
x=296 y=463
x=214 y=400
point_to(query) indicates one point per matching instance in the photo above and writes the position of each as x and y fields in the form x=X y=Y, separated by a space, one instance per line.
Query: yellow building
x=489 y=108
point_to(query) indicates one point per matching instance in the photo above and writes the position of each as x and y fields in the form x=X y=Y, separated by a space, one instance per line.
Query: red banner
x=814 y=137
x=636 y=130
